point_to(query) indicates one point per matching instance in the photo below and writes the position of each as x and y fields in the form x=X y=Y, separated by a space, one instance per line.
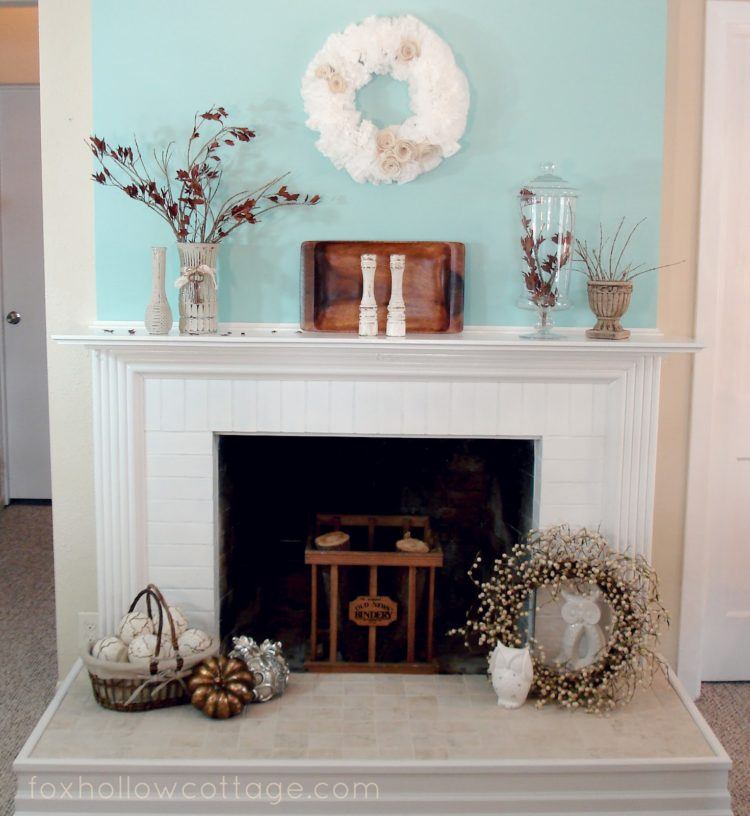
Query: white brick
x=390 y=408
x=462 y=409
x=415 y=408
x=599 y=409
x=366 y=407
x=574 y=515
x=438 y=408
x=572 y=470
x=244 y=406
x=196 y=405
x=485 y=408
x=269 y=405
x=172 y=405
x=557 y=419
x=178 y=510
x=180 y=465
x=206 y=621
x=510 y=418
x=573 y=447
x=179 y=488
x=187 y=442
x=582 y=408
x=188 y=555
x=185 y=578
x=220 y=405
x=152 y=403
x=293 y=406
x=533 y=401
x=317 y=406
x=180 y=532
x=190 y=600
x=342 y=407
x=572 y=493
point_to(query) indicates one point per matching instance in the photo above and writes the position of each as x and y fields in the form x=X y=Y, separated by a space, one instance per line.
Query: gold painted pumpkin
x=221 y=687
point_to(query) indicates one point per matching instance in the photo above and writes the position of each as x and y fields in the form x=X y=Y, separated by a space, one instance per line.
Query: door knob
x=13 y=317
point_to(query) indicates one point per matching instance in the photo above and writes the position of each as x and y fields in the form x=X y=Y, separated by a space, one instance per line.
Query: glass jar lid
x=548 y=183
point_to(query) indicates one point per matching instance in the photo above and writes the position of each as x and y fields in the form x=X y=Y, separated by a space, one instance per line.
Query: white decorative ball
x=133 y=625
x=111 y=649
x=193 y=641
x=143 y=648
x=178 y=616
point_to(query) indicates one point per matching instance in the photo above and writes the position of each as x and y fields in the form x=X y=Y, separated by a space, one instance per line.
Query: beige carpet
x=28 y=666
x=726 y=707
x=27 y=646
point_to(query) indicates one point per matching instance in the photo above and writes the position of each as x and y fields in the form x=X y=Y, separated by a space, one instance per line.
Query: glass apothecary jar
x=546 y=212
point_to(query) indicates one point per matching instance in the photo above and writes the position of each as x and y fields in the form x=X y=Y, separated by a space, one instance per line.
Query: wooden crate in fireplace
x=347 y=597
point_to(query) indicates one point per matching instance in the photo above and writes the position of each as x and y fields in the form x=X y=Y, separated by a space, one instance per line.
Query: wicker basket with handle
x=161 y=683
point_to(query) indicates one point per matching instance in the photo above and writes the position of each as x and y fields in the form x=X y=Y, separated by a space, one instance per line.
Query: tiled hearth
x=385 y=744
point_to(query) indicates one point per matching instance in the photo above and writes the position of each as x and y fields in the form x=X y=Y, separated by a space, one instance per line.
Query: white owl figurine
x=512 y=673
x=583 y=639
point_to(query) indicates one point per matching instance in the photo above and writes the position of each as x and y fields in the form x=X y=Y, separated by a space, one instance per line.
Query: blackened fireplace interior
x=477 y=493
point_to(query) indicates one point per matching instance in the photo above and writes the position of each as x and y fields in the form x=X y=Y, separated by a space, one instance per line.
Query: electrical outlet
x=88 y=628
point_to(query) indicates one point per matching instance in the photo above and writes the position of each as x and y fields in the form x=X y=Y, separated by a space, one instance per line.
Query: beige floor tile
x=388 y=716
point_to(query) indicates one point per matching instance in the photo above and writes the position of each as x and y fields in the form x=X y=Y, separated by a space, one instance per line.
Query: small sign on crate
x=373 y=610
x=371 y=555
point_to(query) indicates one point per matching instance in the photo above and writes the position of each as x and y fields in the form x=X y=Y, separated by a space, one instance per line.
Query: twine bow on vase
x=194 y=275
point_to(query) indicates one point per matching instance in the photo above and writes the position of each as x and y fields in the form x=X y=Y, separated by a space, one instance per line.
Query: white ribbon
x=188 y=271
x=163 y=678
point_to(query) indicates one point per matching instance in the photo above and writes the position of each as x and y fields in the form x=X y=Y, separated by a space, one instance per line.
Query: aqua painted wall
x=577 y=81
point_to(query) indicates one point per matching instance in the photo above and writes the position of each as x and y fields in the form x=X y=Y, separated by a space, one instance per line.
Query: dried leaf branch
x=186 y=197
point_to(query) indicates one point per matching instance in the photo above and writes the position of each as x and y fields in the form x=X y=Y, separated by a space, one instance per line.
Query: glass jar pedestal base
x=543 y=329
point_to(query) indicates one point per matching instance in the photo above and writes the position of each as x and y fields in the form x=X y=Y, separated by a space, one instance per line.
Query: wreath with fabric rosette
x=551 y=562
x=407 y=50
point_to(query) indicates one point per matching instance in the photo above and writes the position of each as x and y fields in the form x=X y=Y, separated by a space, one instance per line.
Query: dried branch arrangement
x=605 y=262
x=186 y=197
x=554 y=559
x=541 y=267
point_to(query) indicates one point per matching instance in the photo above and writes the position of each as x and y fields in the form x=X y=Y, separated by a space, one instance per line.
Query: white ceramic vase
x=158 y=318
x=197 y=285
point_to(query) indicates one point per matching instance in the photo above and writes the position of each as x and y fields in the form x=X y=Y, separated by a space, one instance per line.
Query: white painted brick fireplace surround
x=161 y=402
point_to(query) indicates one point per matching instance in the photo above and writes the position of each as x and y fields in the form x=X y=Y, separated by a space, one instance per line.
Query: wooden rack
x=335 y=561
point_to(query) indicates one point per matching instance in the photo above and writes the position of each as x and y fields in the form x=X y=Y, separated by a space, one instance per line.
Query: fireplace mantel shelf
x=650 y=342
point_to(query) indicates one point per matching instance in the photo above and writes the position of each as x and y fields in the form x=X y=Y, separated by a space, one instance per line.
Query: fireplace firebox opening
x=476 y=493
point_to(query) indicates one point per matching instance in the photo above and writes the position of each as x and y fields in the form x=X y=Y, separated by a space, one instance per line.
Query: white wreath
x=408 y=50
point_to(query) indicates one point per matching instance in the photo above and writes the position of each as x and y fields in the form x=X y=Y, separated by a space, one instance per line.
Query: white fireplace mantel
x=159 y=403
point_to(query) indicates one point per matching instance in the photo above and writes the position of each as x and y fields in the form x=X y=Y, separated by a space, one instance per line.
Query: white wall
x=65 y=76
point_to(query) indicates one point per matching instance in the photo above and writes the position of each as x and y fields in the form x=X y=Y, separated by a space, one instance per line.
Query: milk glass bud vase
x=197 y=284
x=158 y=318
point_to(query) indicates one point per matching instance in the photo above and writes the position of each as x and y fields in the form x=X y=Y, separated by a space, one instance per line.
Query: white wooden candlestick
x=368 y=308
x=396 y=326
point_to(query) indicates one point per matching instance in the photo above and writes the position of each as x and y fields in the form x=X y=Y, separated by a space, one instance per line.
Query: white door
x=715 y=628
x=24 y=361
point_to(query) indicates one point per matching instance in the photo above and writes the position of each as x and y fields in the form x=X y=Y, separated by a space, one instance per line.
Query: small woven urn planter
x=609 y=300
